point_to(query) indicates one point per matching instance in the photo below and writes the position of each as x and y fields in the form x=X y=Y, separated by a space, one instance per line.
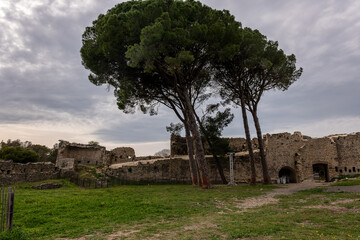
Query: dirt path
x=285 y=189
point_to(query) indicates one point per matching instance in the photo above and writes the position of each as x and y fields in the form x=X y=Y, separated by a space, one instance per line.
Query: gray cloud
x=42 y=79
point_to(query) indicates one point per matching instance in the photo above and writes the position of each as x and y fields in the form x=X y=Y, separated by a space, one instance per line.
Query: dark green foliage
x=41 y=150
x=175 y=128
x=53 y=155
x=148 y=50
x=212 y=127
x=93 y=143
x=18 y=154
x=15 y=233
x=45 y=154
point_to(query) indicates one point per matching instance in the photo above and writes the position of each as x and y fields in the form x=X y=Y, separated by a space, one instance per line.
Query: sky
x=45 y=94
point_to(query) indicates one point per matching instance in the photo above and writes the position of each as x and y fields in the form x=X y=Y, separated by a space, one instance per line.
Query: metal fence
x=7 y=200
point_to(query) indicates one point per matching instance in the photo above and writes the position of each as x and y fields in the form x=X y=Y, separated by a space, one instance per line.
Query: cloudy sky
x=45 y=94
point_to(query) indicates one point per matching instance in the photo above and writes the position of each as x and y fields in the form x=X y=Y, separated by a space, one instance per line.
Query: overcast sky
x=45 y=94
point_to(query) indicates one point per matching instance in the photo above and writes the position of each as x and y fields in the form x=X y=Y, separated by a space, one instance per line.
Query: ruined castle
x=292 y=156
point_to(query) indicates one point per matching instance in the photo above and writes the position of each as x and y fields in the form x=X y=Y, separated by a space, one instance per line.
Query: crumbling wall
x=177 y=145
x=348 y=149
x=12 y=173
x=176 y=170
x=317 y=151
x=281 y=150
x=82 y=153
x=156 y=171
x=121 y=155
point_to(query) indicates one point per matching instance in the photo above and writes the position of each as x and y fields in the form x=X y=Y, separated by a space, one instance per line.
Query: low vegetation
x=182 y=212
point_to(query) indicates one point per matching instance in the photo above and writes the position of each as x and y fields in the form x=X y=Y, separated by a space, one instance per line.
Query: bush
x=14 y=233
x=18 y=154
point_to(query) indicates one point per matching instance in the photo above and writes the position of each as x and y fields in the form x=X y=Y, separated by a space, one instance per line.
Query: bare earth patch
x=269 y=198
x=123 y=233
x=337 y=209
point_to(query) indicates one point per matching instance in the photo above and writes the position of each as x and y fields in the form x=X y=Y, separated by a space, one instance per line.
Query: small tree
x=211 y=130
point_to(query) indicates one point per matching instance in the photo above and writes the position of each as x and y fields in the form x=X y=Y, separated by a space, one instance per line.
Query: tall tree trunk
x=265 y=170
x=248 y=141
x=194 y=171
x=199 y=150
x=217 y=160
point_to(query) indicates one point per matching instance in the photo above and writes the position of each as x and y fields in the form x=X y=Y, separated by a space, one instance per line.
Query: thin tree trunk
x=217 y=160
x=265 y=170
x=248 y=141
x=199 y=150
x=193 y=166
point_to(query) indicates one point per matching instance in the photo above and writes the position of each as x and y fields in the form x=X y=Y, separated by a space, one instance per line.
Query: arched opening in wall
x=321 y=172
x=288 y=173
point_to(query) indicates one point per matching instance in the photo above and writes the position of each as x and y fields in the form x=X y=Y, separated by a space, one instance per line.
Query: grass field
x=183 y=212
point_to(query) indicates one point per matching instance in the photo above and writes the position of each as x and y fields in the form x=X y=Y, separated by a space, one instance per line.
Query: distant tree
x=12 y=143
x=53 y=153
x=157 y=52
x=18 y=154
x=162 y=153
x=41 y=150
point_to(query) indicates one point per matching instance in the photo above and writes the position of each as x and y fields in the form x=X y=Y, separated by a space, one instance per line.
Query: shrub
x=18 y=154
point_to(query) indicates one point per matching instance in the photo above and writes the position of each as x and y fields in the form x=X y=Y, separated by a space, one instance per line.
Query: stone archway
x=320 y=171
x=289 y=173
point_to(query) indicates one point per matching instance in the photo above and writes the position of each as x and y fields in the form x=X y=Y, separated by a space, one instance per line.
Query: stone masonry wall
x=281 y=151
x=72 y=154
x=176 y=170
x=81 y=153
x=121 y=155
x=317 y=151
x=12 y=173
x=348 y=149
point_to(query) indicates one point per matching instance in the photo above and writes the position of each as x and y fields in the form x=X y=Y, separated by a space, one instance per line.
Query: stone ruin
x=293 y=157
x=11 y=173
x=290 y=158
x=72 y=154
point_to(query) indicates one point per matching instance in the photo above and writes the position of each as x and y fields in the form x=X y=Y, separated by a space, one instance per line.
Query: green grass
x=71 y=211
x=353 y=180
x=183 y=212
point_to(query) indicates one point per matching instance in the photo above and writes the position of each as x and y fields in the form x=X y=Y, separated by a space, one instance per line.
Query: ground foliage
x=184 y=212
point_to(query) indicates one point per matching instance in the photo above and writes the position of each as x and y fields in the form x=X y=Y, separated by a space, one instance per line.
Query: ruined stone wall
x=176 y=170
x=317 y=151
x=81 y=153
x=281 y=150
x=338 y=154
x=157 y=171
x=348 y=149
x=121 y=155
x=177 y=145
x=12 y=173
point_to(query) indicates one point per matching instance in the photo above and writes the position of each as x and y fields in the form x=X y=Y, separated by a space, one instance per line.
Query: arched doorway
x=320 y=171
x=289 y=173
